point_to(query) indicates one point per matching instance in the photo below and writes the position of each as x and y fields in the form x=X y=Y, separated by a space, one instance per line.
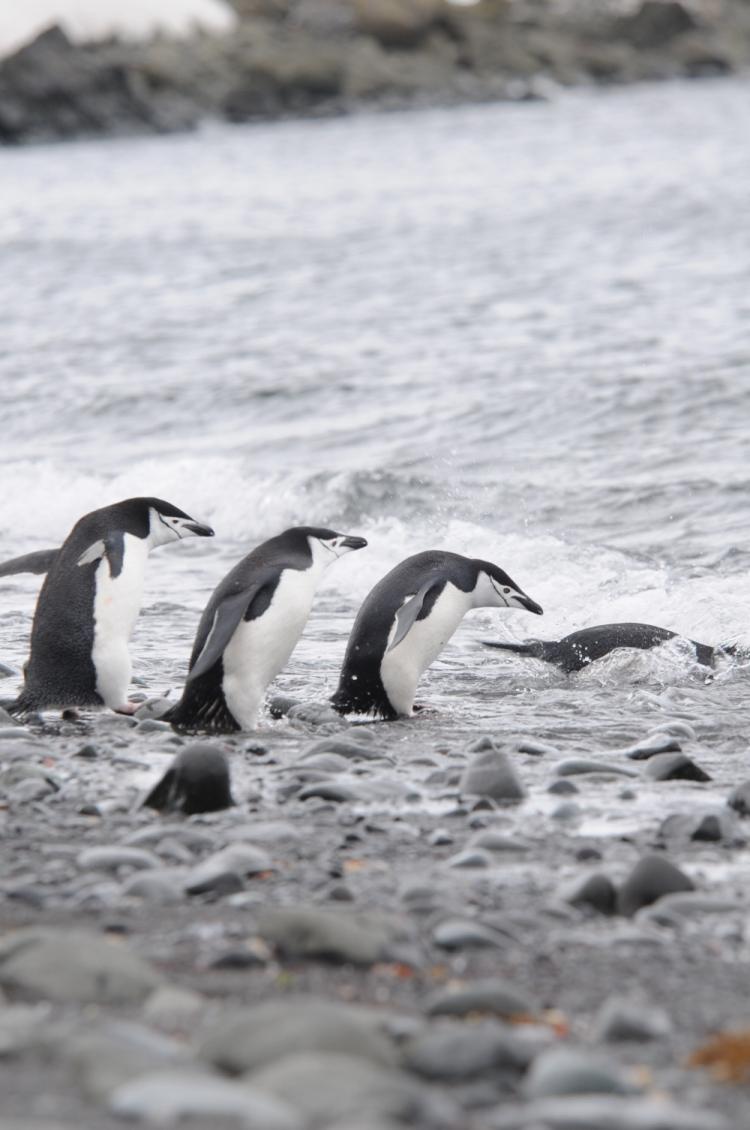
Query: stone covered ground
x=317 y=57
x=402 y=924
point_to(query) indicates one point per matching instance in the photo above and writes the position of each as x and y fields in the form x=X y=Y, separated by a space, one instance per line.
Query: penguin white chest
x=401 y=668
x=117 y=602
x=260 y=648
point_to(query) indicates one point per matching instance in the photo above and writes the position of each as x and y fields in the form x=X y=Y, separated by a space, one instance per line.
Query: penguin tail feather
x=24 y=704
x=207 y=716
x=160 y=795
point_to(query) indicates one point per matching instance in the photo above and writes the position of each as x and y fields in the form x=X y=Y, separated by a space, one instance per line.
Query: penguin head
x=168 y=523
x=496 y=589
x=326 y=545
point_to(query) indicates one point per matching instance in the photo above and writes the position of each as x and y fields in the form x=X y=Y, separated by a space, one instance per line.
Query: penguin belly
x=117 y=602
x=260 y=648
x=402 y=668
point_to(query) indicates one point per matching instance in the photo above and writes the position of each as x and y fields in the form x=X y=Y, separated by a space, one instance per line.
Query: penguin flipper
x=408 y=614
x=226 y=619
x=38 y=562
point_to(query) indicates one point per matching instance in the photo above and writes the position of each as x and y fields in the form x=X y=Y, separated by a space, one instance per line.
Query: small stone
x=22 y=1027
x=491 y=840
x=249 y=1039
x=705 y=827
x=454 y=1052
x=607 y=1112
x=89 y=752
x=64 y=965
x=162 y=885
x=537 y=749
x=335 y=791
x=565 y=812
x=107 y=1054
x=115 y=857
x=574 y=1071
x=652 y=877
x=152 y=726
x=491 y=774
x=325 y=934
x=441 y=838
x=170 y=1097
x=458 y=933
x=473 y=857
x=674 y=766
x=577 y=766
x=627 y=1019
x=490 y=995
x=345 y=747
x=239 y=859
x=652 y=745
x=196 y=781
x=596 y=891
x=739 y=798
x=562 y=787
x=171 y=1006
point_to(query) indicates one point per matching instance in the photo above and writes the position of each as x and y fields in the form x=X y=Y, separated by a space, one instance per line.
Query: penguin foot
x=128 y=708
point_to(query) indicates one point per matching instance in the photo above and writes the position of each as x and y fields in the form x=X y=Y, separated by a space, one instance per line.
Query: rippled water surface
x=519 y=332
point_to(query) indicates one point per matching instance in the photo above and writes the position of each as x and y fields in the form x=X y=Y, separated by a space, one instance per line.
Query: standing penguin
x=90 y=601
x=406 y=621
x=250 y=628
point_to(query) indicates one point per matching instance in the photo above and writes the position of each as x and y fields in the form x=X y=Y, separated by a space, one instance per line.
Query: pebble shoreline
x=385 y=929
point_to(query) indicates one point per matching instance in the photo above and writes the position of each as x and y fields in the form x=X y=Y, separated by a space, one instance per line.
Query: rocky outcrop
x=299 y=57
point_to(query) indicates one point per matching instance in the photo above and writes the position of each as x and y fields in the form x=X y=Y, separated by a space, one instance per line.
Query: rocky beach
x=295 y=58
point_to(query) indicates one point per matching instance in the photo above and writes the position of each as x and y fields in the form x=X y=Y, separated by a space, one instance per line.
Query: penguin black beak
x=199 y=529
x=354 y=543
x=529 y=604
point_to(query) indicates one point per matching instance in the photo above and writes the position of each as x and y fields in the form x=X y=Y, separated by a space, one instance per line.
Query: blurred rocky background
x=259 y=59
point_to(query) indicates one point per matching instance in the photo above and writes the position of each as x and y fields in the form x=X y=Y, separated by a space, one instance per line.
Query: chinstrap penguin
x=89 y=603
x=579 y=649
x=250 y=627
x=196 y=781
x=405 y=622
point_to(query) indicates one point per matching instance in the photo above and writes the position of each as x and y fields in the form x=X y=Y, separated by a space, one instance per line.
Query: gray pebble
x=326 y=934
x=562 y=787
x=237 y=859
x=674 y=766
x=622 y=1018
x=491 y=774
x=576 y=766
x=112 y=858
x=457 y=1051
x=606 y=1112
x=490 y=995
x=491 y=840
x=158 y=886
x=345 y=747
x=739 y=798
x=473 y=857
x=336 y=791
x=706 y=827
x=596 y=891
x=574 y=1071
x=458 y=933
x=652 y=745
x=652 y=877
x=246 y=1040
x=537 y=749
x=152 y=726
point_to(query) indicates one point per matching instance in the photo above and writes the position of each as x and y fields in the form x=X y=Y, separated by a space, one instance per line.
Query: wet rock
x=574 y=1071
x=238 y=860
x=739 y=798
x=656 y=23
x=63 y=965
x=153 y=726
x=112 y=858
x=170 y=1006
x=330 y=935
x=196 y=781
x=455 y=1051
x=326 y=762
x=537 y=749
x=22 y=1027
x=280 y=705
x=472 y=857
x=247 y=1040
x=171 y=1097
x=326 y=1087
x=162 y=885
x=336 y=791
x=605 y=1112
x=153 y=708
x=489 y=995
x=671 y=909
x=562 y=787
x=674 y=766
x=344 y=747
x=651 y=878
x=577 y=766
x=627 y=1019
x=596 y=891
x=703 y=827
x=459 y=933
x=651 y=745
x=491 y=774
x=490 y=840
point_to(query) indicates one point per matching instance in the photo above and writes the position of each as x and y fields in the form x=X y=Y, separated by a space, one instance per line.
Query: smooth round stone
x=490 y=840
x=459 y=933
x=672 y=908
x=248 y=1039
x=606 y=1112
x=30 y=790
x=566 y=812
x=326 y=762
x=335 y=791
x=157 y=886
x=115 y=857
x=624 y=1019
x=491 y=774
x=452 y=1052
x=739 y=798
x=441 y=838
x=578 y=766
x=168 y=1097
x=674 y=767
x=595 y=891
x=153 y=708
x=537 y=749
x=652 y=877
x=152 y=726
x=574 y=1071
x=170 y=1006
x=347 y=748
x=703 y=827
x=331 y=935
x=655 y=743
x=238 y=859
x=562 y=787
x=490 y=995
x=472 y=858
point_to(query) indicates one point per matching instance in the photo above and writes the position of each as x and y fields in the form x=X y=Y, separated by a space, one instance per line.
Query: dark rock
x=562 y=787
x=652 y=877
x=657 y=23
x=674 y=766
x=739 y=798
x=707 y=827
x=596 y=891
x=196 y=781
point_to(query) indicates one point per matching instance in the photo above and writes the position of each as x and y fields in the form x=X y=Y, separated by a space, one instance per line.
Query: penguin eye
x=506 y=591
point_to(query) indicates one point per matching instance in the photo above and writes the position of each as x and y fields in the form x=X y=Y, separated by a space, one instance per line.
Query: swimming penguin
x=405 y=622
x=89 y=603
x=250 y=627
x=576 y=651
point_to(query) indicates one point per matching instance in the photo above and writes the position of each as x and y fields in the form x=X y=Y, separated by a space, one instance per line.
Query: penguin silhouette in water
x=250 y=628
x=89 y=603
x=405 y=622
x=578 y=650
